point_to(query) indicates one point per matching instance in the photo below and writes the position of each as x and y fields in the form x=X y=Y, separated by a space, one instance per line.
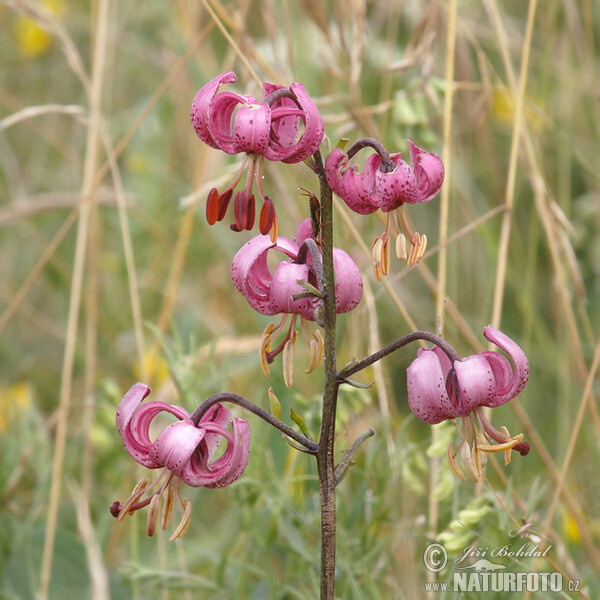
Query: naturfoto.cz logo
x=486 y=576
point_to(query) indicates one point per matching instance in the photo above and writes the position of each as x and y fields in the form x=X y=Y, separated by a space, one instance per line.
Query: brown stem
x=310 y=446
x=325 y=456
x=387 y=165
x=400 y=343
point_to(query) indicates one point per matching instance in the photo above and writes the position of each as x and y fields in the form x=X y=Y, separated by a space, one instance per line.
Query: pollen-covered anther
x=265 y=348
x=418 y=245
x=401 y=253
x=452 y=462
x=376 y=257
x=288 y=359
x=185 y=520
x=152 y=516
x=167 y=508
x=316 y=350
x=469 y=462
x=136 y=494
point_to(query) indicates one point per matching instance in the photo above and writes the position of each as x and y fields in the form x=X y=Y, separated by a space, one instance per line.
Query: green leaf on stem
x=300 y=422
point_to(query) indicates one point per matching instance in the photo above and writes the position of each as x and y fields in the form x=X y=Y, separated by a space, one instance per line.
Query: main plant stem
x=325 y=457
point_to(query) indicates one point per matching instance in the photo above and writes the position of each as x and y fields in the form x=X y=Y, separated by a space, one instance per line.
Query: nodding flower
x=440 y=389
x=285 y=126
x=387 y=183
x=184 y=451
x=280 y=293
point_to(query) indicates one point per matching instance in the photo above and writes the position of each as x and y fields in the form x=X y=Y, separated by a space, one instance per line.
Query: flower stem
x=387 y=165
x=325 y=456
x=400 y=343
x=311 y=447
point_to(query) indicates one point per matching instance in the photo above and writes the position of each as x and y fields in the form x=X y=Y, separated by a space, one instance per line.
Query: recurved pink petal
x=284 y=129
x=348 y=282
x=397 y=187
x=509 y=383
x=354 y=188
x=175 y=445
x=226 y=469
x=429 y=172
x=252 y=128
x=217 y=415
x=285 y=145
x=303 y=232
x=250 y=271
x=133 y=422
x=476 y=384
x=201 y=108
x=283 y=285
x=427 y=395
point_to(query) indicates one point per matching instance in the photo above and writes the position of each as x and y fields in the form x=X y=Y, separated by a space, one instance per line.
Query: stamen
x=168 y=508
x=376 y=253
x=288 y=359
x=502 y=447
x=137 y=493
x=452 y=462
x=465 y=454
x=224 y=199
x=401 y=247
x=212 y=206
x=185 y=520
x=152 y=516
x=265 y=348
x=267 y=218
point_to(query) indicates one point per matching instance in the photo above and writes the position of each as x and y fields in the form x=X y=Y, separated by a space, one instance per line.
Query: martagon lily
x=285 y=126
x=387 y=183
x=184 y=450
x=277 y=293
x=440 y=389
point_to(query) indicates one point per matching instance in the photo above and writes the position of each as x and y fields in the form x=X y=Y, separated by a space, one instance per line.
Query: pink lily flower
x=268 y=129
x=439 y=390
x=183 y=450
x=387 y=183
x=271 y=293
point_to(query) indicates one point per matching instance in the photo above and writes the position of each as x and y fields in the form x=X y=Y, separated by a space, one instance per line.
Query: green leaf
x=275 y=404
x=300 y=422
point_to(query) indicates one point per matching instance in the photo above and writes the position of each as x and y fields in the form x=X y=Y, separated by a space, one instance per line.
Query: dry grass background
x=110 y=274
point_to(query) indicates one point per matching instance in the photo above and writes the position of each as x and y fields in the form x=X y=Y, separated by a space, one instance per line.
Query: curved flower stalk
x=280 y=293
x=387 y=183
x=440 y=389
x=285 y=126
x=184 y=450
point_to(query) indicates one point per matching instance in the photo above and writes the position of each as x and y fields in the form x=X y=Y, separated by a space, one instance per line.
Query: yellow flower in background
x=156 y=368
x=13 y=401
x=503 y=108
x=570 y=528
x=33 y=40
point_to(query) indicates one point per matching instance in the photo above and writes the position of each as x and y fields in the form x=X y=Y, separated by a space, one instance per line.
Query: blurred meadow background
x=109 y=274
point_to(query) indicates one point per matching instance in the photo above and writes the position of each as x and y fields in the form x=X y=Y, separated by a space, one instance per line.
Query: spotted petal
x=201 y=108
x=133 y=423
x=226 y=469
x=348 y=282
x=509 y=382
x=427 y=395
x=354 y=188
x=429 y=172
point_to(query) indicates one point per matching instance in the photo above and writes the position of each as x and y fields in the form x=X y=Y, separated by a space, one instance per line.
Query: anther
x=185 y=520
x=152 y=516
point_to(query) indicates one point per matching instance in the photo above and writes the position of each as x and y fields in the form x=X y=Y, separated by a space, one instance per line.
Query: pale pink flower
x=439 y=390
x=184 y=450
x=285 y=126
